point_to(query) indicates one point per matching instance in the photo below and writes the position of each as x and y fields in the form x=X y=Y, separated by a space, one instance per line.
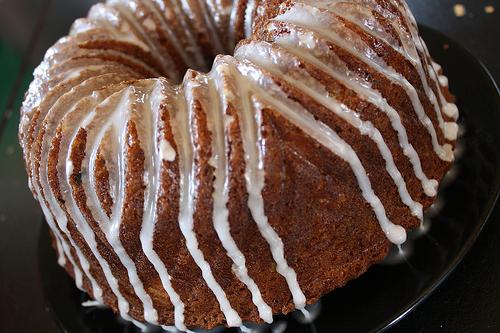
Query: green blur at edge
x=10 y=62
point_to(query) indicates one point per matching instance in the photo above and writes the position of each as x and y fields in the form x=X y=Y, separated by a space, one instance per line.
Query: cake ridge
x=263 y=51
x=221 y=197
x=254 y=175
x=444 y=151
x=366 y=92
x=149 y=219
x=328 y=138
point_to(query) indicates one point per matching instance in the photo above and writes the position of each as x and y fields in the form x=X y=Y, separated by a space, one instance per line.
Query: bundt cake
x=186 y=196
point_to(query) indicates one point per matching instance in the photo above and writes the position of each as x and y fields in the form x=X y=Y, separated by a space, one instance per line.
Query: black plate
x=387 y=292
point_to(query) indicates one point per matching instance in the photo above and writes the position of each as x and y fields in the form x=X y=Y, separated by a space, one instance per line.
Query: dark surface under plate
x=381 y=297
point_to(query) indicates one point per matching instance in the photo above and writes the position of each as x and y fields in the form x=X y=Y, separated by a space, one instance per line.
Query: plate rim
x=491 y=204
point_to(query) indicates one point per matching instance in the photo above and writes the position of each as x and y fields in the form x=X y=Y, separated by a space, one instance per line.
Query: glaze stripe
x=324 y=135
x=261 y=54
x=314 y=20
x=188 y=191
x=119 y=121
x=364 y=91
x=221 y=188
x=88 y=124
x=151 y=197
x=250 y=126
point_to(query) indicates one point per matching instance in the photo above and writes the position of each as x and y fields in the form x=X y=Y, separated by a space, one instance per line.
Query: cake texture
x=205 y=163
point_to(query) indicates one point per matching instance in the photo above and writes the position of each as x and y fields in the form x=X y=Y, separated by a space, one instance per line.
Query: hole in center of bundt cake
x=206 y=59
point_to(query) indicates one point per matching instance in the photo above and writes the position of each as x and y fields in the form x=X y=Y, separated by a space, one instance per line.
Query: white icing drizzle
x=219 y=122
x=209 y=26
x=218 y=11
x=139 y=325
x=108 y=18
x=212 y=29
x=153 y=167
x=111 y=226
x=450 y=129
x=443 y=80
x=188 y=187
x=303 y=46
x=123 y=7
x=167 y=153
x=297 y=115
x=362 y=15
x=451 y=110
x=316 y=21
x=310 y=313
x=251 y=121
x=284 y=66
x=179 y=13
x=80 y=221
x=448 y=108
x=250 y=8
x=76 y=72
x=43 y=108
x=52 y=118
x=232 y=24
x=412 y=44
x=190 y=61
x=91 y=303
x=61 y=257
x=66 y=253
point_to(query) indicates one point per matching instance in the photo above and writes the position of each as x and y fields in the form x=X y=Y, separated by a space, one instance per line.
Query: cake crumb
x=459 y=10
x=489 y=9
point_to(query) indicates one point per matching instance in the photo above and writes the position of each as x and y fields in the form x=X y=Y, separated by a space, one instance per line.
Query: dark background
x=468 y=301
